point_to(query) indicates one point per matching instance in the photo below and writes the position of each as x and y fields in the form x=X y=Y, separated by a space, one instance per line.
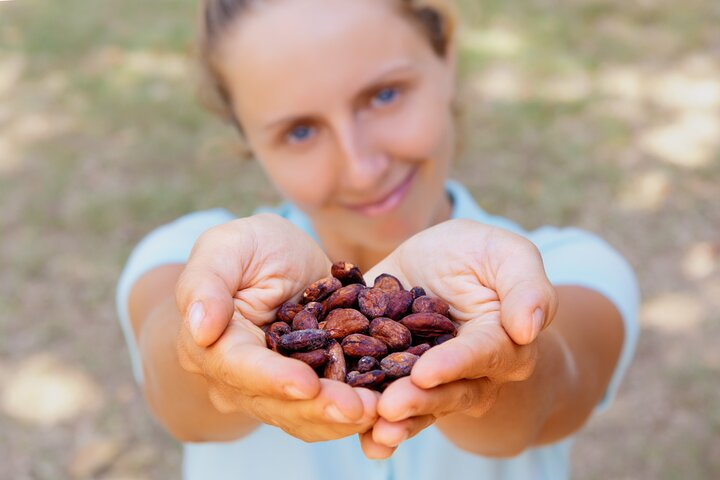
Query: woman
x=348 y=107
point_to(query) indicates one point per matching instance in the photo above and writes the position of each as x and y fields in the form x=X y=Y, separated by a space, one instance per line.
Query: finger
x=479 y=350
x=527 y=298
x=403 y=400
x=205 y=290
x=392 y=434
x=372 y=449
x=256 y=370
x=337 y=403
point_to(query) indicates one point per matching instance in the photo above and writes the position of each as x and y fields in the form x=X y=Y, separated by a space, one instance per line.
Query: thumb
x=526 y=309
x=205 y=303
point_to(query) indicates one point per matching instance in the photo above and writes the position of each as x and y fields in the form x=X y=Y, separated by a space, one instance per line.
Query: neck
x=367 y=256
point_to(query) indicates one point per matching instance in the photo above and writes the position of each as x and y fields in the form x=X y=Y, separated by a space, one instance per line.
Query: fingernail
x=538 y=318
x=195 y=316
x=334 y=414
x=294 y=392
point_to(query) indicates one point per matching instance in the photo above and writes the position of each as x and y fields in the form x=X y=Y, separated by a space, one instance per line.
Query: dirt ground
x=601 y=114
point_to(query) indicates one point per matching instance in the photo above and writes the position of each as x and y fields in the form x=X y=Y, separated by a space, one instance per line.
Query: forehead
x=292 y=54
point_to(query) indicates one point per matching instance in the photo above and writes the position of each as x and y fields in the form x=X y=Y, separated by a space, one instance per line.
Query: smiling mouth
x=389 y=201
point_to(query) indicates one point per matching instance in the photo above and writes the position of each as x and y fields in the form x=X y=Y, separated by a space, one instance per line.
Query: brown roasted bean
x=279 y=328
x=345 y=297
x=271 y=340
x=419 y=349
x=372 y=303
x=321 y=325
x=342 y=322
x=387 y=283
x=316 y=308
x=398 y=304
x=287 y=311
x=429 y=324
x=304 y=340
x=347 y=273
x=320 y=289
x=304 y=320
x=398 y=364
x=417 y=292
x=372 y=379
x=359 y=345
x=431 y=304
x=366 y=363
x=444 y=338
x=335 y=369
x=314 y=358
x=395 y=335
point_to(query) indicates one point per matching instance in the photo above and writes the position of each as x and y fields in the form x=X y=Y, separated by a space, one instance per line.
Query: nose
x=362 y=164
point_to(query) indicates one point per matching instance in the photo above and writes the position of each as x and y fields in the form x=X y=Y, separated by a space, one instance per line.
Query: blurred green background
x=603 y=114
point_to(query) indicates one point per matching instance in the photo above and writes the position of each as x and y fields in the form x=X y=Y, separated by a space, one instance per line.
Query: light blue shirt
x=571 y=257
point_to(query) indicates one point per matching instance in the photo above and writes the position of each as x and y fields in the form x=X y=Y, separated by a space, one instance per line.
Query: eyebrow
x=394 y=69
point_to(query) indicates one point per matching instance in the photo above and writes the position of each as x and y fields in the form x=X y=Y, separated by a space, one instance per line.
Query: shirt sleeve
x=165 y=245
x=576 y=257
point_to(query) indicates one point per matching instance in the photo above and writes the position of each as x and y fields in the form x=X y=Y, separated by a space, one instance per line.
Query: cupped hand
x=500 y=296
x=237 y=275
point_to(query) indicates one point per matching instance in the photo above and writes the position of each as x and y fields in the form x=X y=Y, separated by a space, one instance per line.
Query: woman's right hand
x=237 y=275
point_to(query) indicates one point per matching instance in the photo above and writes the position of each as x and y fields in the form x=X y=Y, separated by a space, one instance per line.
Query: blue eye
x=385 y=96
x=300 y=133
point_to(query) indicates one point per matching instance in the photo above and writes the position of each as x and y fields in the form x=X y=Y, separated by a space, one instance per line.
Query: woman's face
x=347 y=107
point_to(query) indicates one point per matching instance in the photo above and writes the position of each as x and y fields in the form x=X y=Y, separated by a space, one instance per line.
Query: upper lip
x=382 y=198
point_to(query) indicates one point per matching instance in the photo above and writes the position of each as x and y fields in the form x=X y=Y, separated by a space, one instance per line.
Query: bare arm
x=178 y=399
x=577 y=355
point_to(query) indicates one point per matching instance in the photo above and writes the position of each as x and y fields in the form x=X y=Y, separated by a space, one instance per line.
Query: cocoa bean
x=395 y=335
x=304 y=320
x=387 y=283
x=272 y=340
x=398 y=364
x=359 y=345
x=335 y=369
x=345 y=297
x=347 y=273
x=398 y=304
x=366 y=363
x=316 y=308
x=417 y=292
x=314 y=358
x=419 y=349
x=443 y=338
x=429 y=324
x=287 y=311
x=279 y=328
x=372 y=302
x=431 y=304
x=342 y=322
x=320 y=290
x=372 y=379
x=304 y=340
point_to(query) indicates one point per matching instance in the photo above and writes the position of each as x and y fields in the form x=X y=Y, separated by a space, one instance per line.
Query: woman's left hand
x=498 y=293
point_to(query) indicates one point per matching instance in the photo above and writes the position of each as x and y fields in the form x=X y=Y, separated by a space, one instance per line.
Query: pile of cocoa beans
x=364 y=336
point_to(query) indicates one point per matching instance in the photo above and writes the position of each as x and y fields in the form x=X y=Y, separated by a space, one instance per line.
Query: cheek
x=304 y=181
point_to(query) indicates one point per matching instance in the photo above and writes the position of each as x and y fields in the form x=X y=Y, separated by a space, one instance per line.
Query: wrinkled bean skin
x=431 y=304
x=287 y=311
x=304 y=340
x=398 y=304
x=372 y=303
x=345 y=321
x=314 y=358
x=359 y=345
x=395 y=335
x=347 y=273
x=429 y=324
x=304 y=320
x=371 y=379
x=387 y=283
x=335 y=369
x=320 y=290
x=419 y=349
x=345 y=297
x=366 y=363
x=398 y=364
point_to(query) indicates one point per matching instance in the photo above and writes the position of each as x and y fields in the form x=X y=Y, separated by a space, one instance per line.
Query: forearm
x=576 y=357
